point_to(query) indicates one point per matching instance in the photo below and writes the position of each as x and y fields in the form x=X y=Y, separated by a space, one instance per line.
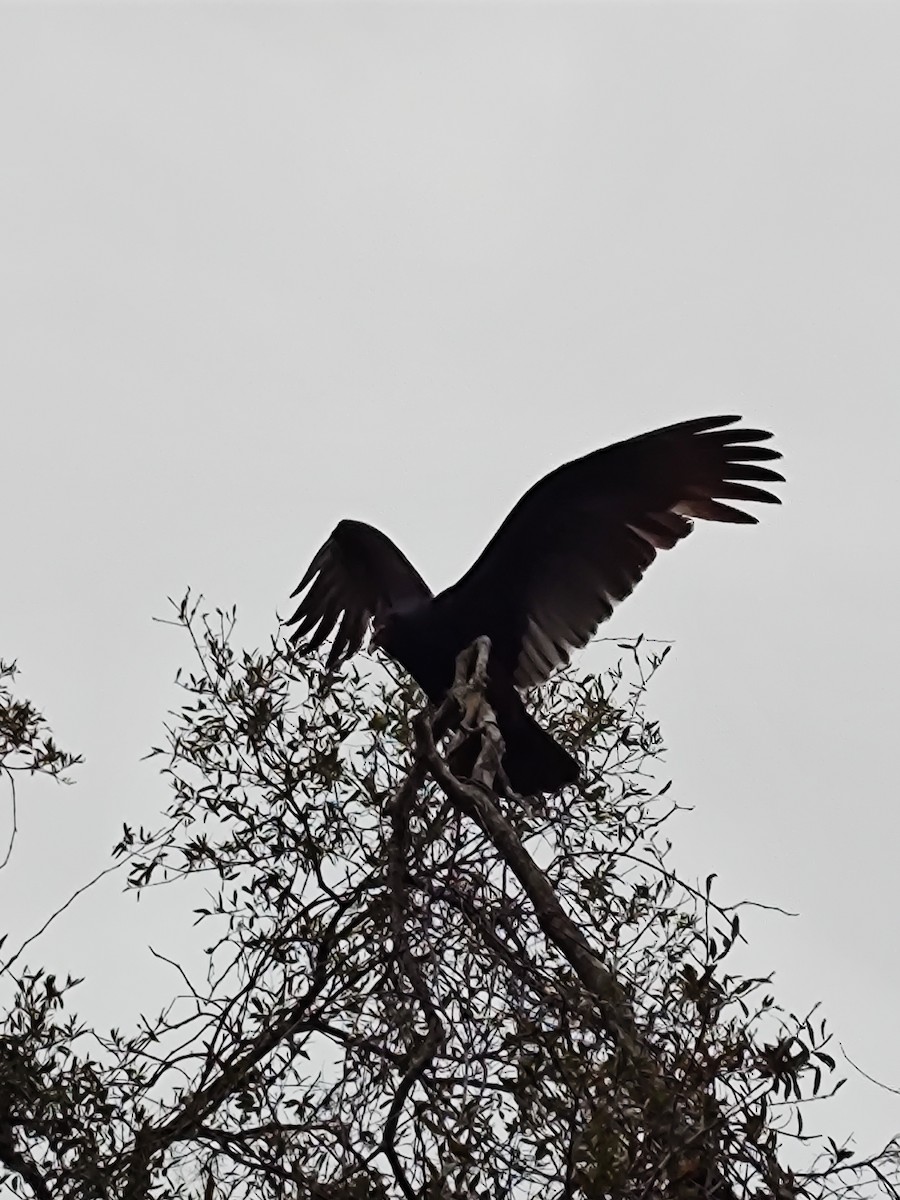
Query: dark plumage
x=574 y=546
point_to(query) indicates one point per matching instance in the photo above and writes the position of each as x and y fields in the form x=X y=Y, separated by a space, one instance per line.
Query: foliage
x=26 y=746
x=414 y=986
x=25 y=741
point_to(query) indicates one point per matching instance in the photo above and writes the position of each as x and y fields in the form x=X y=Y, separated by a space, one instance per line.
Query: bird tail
x=533 y=761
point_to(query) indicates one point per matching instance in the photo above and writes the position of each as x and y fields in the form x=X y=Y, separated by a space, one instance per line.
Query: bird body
x=426 y=642
x=575 y=545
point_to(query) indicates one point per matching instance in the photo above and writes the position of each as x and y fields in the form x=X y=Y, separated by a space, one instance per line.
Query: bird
x=575 y=545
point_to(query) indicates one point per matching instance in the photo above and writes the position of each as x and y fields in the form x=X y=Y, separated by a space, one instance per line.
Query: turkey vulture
x=574 y=546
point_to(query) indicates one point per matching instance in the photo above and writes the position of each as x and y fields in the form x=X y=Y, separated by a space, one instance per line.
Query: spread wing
x=579 y=541
x=358 y=574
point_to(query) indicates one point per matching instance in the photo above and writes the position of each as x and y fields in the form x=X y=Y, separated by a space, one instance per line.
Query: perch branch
x=643 y=1074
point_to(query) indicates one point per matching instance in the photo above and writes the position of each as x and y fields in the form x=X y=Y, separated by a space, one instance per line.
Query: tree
x=415 y=987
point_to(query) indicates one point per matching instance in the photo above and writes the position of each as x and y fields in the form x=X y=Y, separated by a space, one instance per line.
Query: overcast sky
x=265 y=267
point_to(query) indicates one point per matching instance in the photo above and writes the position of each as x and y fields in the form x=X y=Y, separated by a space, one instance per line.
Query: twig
x=4 y=967
x=15 y=826
x=884 y=1086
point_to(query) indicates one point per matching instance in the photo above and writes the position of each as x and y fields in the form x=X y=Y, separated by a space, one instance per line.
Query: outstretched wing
x=580 y=540
x=358 y=573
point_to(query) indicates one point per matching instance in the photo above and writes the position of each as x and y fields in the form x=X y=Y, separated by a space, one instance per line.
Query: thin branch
x=5 y=967
x=15 y=825
x=884 y=1086
x=151 y=1139
x=398 y=811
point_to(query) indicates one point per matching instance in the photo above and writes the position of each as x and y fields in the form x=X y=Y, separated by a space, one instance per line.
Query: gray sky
x=264 y=267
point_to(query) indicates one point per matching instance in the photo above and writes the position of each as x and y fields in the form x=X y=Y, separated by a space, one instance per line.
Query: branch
x=151 y=1139
x=646 y=1080
x=398 y=809
x=474 y=800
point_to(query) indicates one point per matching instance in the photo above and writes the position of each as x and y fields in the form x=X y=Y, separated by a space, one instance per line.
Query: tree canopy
x=412 y=986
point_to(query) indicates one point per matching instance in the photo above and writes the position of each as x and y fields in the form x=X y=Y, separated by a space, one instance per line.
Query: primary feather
x=357 y=575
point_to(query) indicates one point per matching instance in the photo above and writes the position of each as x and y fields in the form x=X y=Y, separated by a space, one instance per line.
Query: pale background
x=263 y=267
